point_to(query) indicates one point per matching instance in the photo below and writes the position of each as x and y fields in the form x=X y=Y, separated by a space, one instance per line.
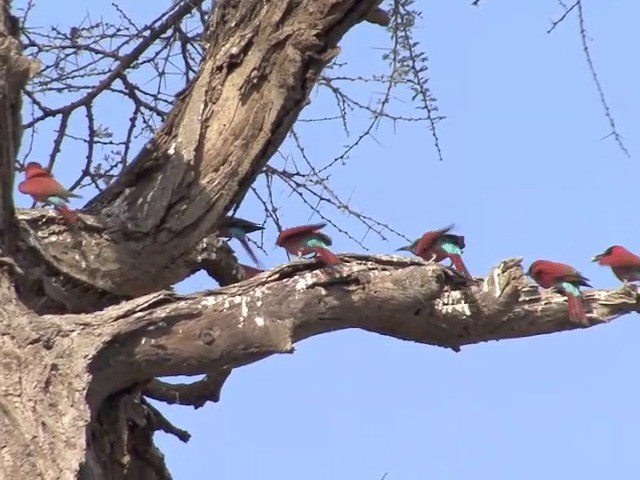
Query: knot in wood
x=207 y=337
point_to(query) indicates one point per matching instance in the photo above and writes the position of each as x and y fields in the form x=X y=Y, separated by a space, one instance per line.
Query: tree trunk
x=86 y=322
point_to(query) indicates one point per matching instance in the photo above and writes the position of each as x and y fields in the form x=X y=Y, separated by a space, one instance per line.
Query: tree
x=91 y=338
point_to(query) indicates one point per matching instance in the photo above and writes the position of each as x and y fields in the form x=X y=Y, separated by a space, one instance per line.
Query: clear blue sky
x=526 y=173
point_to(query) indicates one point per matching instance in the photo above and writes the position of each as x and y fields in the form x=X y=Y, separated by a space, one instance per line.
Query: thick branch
x=394 y=296
x=155 y=226
x=108 y=358
x=66 y=271
x=262 y=61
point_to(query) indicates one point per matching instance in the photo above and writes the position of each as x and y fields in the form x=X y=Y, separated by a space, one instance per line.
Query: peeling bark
x=262 y=61
x=403 y=298
x=67 y=271
x=86 y=322
x=127 y=345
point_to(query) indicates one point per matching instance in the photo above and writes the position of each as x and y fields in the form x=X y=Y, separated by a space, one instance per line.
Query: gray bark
x=87 y=322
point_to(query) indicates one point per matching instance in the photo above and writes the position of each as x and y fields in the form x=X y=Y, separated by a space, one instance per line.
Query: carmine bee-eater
x=306 y=240
x=624 y=264
x=440 y=244
x=43 y=188
x=549 y=274
x=238 y=228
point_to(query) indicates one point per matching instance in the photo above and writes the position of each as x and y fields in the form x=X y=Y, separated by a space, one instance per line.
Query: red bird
x=549 y=274
x=440 y=244
x=306 y=240
x=43 y=188
x=624 y=264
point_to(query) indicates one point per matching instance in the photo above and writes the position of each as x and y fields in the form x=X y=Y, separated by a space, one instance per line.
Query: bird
x=238 y=228
x=550 y=274
x=42 y=187
x=624 y=264
x=306 y=240
x=437 y=245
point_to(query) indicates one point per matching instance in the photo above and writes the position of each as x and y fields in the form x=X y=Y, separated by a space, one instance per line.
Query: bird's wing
x=302 y=230
x=41 y=187
x=319 y=236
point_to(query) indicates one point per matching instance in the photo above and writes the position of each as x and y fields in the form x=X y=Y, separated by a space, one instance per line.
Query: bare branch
x=91 y=60
x=577 y=5
x=395 y=296
x=562 y=17
x=196 y=394
x=159 y=422
x=411 y=63
x=607 y=111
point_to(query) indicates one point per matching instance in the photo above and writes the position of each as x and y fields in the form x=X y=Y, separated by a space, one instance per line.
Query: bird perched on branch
x=437 y=245
x=563 y=277
x=307 y=240
x=42 y=187
x=238 y=228
x=624 y=264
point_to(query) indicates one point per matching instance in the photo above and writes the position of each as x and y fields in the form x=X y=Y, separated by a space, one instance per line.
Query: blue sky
x=525 y=173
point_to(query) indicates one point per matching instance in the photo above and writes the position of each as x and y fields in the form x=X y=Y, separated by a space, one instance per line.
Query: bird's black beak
x=406 y=248
x=596 y=258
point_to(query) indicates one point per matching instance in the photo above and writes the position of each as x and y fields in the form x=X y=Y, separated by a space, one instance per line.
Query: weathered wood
x=84 y=331
x=109 y=356
x=153 y=227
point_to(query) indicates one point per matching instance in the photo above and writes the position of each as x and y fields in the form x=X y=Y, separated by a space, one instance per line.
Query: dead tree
x=87 y=320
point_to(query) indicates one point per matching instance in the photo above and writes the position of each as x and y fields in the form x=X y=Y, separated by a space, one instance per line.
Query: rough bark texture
x=86 y=321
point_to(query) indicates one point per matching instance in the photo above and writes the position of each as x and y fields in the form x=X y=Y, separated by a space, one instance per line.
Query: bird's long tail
x=321 y=250
x=245 y=244
x=60 y=205
x=326 y=255
x=577 y=312
x=69 y=215
x=459 y=264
